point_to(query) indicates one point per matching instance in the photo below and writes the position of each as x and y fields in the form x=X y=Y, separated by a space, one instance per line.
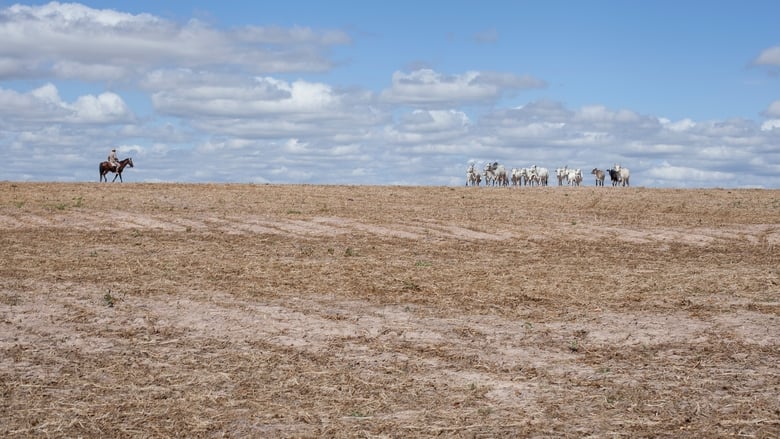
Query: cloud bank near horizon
x=195 y=102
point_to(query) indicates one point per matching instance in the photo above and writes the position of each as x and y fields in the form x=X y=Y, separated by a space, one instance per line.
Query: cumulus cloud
x=295 y=146
x=769 y=125
x=217 y=98
x=91 y=72
x=667 y=171
x=600 y=113
x=72 y=40
x=773 y=111
x=44 y=104
x=260 y=106
x=551 y=123
x=679 y=126
x=213 y=145
x=104 y=108
x=428 y=126
x=768 y=57
x=427 y=87
x=263 y=96
x=434 y=120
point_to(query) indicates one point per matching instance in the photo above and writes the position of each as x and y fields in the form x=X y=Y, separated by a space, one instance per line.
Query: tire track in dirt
x=468 y=349
x=396 y=231
x=24 y=219
x=700 y=237
x=758 y=234
x=441 y=350
x=462 y=233
x=10 y=222
x=127 y=220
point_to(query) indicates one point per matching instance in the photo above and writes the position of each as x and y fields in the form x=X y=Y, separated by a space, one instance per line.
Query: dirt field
x=167 y=310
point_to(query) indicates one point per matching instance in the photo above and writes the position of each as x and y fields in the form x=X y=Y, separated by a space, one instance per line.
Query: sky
x=685 y=94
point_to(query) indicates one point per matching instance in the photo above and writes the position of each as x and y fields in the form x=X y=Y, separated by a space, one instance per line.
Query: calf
x=614 y=177
x=599 y=176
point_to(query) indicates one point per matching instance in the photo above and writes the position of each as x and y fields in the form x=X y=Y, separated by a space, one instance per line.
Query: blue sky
x=684 y=94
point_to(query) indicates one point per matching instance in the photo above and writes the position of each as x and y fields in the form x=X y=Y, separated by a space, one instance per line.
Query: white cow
x=623 y=174
x=561 y=174
x=517 y=177
x=489 y=174
x=495 y=173
x=522 y=176
x=544 y=176
x=472 y=176
x=501 y=176
x=575 y=177
x=540 y=175
x=532 y=176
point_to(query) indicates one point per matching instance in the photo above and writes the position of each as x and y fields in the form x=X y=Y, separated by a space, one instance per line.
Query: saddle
x=114 y=165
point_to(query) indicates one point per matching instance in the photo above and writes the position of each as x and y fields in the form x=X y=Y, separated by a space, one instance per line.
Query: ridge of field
x=205 y=310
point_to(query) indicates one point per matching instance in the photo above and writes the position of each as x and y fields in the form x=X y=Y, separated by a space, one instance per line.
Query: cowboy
x=112 y=158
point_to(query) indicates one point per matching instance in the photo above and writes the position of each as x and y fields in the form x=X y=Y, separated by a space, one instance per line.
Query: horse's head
x=130 y=162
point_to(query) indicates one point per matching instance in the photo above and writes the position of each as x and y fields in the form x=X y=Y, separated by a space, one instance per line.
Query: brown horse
x=106 y=167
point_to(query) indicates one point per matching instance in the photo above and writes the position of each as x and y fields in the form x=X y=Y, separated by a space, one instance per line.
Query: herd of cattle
x=496 y=174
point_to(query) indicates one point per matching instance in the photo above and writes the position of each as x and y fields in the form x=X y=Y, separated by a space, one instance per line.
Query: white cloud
x=44 y=104
x=769 y=125
x=426 y=126
x=72 y=40
x=773 y=110
x=212 y=146
x=291 y=174
x=343 y=150
x=217 y=100
x=195 y=96
x=599 y=113
x=428 y=87
x=262 y=107
x=47 y=93
x=295 y=34
x=667 y=171
x=679 y=126
x=661 y=149
x=769 y=57
x=11 y=67
x=104 y=108
x=295 y=146
x=91 y=72
x=435 y=120
x=534 y=130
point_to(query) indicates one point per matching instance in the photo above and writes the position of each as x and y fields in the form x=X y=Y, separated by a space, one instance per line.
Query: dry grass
x=164 y=310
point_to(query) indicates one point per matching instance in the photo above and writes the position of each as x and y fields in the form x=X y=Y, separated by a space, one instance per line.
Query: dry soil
x=173 y=310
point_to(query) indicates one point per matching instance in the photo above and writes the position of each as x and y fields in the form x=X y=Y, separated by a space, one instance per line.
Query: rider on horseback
x=112 y=158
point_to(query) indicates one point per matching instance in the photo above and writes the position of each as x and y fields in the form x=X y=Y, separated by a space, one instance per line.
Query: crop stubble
x=160 y=310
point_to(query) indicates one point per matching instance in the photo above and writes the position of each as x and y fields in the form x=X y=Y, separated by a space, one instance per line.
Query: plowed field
x=173 y=310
